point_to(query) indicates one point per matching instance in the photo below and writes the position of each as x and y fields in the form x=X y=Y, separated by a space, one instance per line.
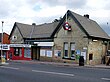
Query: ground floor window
x=18 y=51
x=69 y=50
x=46 y=52
x=72 y=50
x=65 y=49
x=27 y=52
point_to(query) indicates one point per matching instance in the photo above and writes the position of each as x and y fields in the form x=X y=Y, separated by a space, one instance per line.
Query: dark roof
x=36 y=31
x=88 y=26
x=47 y=30
x=91 y=27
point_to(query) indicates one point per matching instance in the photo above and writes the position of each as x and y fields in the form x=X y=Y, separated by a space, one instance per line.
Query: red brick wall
x=5 y=38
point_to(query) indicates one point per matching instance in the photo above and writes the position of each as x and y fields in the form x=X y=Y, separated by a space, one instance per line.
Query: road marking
x=108 y=79
x=9 y=67
x=53 y=73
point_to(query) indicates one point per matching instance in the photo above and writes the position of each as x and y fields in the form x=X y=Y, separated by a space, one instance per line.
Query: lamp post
x=2 y=58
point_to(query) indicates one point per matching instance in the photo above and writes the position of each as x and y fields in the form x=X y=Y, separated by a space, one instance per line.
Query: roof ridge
x=36 y=25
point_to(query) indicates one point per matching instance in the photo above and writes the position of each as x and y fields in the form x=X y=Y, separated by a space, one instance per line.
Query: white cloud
x=41 y=11
x=96 y=4
x=51 y=11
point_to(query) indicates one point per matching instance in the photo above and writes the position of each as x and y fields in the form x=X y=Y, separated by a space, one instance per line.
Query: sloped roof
x=91 y=27
x=47 y=30
x=39 y=31
x=88 y=26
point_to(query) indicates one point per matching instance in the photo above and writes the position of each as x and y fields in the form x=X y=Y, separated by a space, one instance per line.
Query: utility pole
x=2 y=56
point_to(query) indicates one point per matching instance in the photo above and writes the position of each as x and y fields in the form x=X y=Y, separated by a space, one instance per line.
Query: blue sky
x=45 y=11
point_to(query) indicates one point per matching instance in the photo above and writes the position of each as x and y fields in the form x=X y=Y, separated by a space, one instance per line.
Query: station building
x=60 y=41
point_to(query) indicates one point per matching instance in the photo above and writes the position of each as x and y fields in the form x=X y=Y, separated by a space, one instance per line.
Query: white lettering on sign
x=20 y=45
x=4 y=47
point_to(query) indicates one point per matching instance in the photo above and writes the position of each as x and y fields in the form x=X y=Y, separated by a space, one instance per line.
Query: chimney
x=33 y=23
x=32 y=30
x=86 y=15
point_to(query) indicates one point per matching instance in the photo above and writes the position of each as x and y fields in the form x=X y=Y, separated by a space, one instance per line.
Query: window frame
x=18 y=51
x=66 y=50
x=72 y=51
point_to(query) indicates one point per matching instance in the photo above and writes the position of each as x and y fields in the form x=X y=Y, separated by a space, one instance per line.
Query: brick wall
x=5 y=38
x=76 y=35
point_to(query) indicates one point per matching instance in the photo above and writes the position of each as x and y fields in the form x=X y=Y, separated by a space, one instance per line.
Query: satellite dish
x=14 y=37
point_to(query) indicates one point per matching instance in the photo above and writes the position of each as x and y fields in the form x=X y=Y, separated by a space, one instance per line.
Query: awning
x=44 y=43
x=20 y=45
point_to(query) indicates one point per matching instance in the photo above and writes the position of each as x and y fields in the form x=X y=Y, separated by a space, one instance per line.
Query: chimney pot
x=33 y=23
x=86 y=15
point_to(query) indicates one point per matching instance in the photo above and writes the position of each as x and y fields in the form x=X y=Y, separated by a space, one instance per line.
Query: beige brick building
x=65 y=40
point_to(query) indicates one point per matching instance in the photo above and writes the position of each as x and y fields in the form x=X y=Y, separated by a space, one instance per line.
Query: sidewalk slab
x=102 y=66
x=99 y=66
x=2 y=64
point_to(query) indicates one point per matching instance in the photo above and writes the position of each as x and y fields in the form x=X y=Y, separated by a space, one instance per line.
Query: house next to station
x=4 y=45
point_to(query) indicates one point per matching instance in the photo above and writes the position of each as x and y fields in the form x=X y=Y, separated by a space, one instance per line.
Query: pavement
x=4 y=63
x=102 y=66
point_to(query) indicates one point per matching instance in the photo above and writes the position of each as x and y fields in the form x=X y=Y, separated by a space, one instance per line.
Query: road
x=36 y=72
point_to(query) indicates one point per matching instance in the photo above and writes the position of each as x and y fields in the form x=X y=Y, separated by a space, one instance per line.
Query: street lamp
x=2 y=58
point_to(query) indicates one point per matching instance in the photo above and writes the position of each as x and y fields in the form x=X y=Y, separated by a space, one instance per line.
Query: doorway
x=35 y=53
x=90 y=56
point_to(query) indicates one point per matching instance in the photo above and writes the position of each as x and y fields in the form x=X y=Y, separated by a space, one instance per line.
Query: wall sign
x=66 y=26
x=57 y=53
x=83 y=53
x=20 y=45
x=4 y=47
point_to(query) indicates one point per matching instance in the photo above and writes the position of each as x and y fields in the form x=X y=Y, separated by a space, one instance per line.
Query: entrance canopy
x=44 y=43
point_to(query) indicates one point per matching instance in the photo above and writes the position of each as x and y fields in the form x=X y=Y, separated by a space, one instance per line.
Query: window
x=27 y=52
x=20 y=52
x=65 y=49
x=72 y=50
x=91 y=56
x=17 y=51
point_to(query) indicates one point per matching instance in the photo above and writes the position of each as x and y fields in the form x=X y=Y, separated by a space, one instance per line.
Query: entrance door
x=36 y=53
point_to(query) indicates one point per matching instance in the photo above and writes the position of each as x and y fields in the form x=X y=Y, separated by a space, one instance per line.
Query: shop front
x=20 y=52
x=4 y=49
